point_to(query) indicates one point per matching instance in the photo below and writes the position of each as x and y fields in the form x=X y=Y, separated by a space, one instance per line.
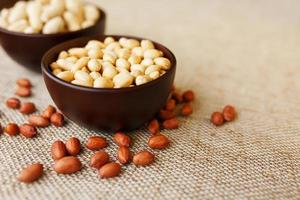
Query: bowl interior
x=52 y=55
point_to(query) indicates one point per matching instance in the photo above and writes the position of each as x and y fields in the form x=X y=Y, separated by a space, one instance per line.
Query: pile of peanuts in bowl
x=49 y=17
x=111 y=64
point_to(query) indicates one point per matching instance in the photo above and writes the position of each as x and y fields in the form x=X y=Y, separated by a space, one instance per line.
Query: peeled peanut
x=109 y=72
x=95 y=75
x=80 y=64
x=123 y=53
x=108 y=40
x=76 y=7
x=78 y=52
x=55 y=25
x=66 y=76
x=154 y=75
x=110 y=57
x=163 y=62
x=64 y=64
x=86 y=24
x=94 y=65
x=94 y=44
x=95 y=53
x=53 y=10
x=91 y=13
x=123 y=80
x=152 y=53
x=122 y=63
x=34 y=10
x=18 y=12
x=18 y=26
x=71 y=20
x=84 y=78
x=138 y=51
x=138 y=67
x=147 y=44
x=147 y=62
x=134 y=59
x=102 y=82
x=142 y=80
x=63 y=55
x=112 y=46
x=131 y=43
x=30 y=30
x=152 y=68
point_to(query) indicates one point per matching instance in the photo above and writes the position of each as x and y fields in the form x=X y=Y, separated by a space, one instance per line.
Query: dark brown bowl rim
x=47 y=72
x=40 y=35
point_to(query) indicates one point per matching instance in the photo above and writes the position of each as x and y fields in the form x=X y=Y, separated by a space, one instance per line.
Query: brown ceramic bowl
x=28 y=49
x=108 y=109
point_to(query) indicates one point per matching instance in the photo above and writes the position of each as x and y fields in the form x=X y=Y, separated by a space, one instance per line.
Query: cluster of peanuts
x=65 y=154
x=49 y=16
x=111 y=63
x=228 y=115
x=29 y=129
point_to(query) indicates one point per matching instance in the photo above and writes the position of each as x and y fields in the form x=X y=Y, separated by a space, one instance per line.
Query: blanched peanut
x=71 y=20
x=4 y=18
x=154 y=75
x=134 y=59
x=72 y=59
x=66 y=76
x=120 y=69
x=123 y=80
x=109 y=40
x=123 y=53
x=55 y=25
x=18 y=26
x=163 y=62
x=30 y=30
x=80 y=63
x=147 y=62
x=123 y=41
x=95 y=53
x=34 y=10
x=64 y=64
x=122 y=63
x=152 y=53
x=18 y=12
x=91 y=13
x=102 y=82
x=152 y=68
x=142 y=80
x=112 y=46
x=43 y=1
x=136 y=73
x=82 y=76
x=78 y=52
x=53 y=10
x=85 y=69
x=63 y=55
x=95 y=44
x=54 y=66
x=147 y=44
x=94 y=65
x=138 y=67
x=106 y=65
x=76 y=7
x=82 y=83
x=109 y=72
x=138 y=51
x=87 y=24
x=95 y=75
x=56 y=71
x=109 y=57
x=130 y=43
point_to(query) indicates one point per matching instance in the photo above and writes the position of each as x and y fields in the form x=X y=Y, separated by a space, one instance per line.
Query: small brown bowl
x=108 y=109
x=28 y=49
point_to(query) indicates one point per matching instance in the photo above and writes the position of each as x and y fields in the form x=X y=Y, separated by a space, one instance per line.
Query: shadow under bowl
x=108 y=109
x=28 y=49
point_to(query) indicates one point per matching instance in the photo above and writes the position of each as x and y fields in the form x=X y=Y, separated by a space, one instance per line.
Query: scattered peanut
x=188 y=96
x=12 y=129
x=171 y=124
x=58 y=150
x=73 y=146
x=121 y=139
x=67 y=165
x=27 y=108
x=23 y=92
x=48 y=112
x=96 y=143
x=57 y=119
x=153 y=126
x=143 y=158
x=31 y=173
x=229 y=113
x=110 y=170
x=217 y=118
x=38 y=121
x=186 y=109
x=28 y=130
x=158 y=141
x=13 y=103
x=124 y=155
x=99 y=159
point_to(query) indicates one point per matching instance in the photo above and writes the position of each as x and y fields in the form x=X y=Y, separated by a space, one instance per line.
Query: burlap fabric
x=245 y=53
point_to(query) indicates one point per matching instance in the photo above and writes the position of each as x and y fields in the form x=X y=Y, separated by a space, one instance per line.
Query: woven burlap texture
x=245 y=53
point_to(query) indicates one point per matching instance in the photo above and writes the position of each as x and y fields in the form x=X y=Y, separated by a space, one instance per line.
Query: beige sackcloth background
x=245 y=53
